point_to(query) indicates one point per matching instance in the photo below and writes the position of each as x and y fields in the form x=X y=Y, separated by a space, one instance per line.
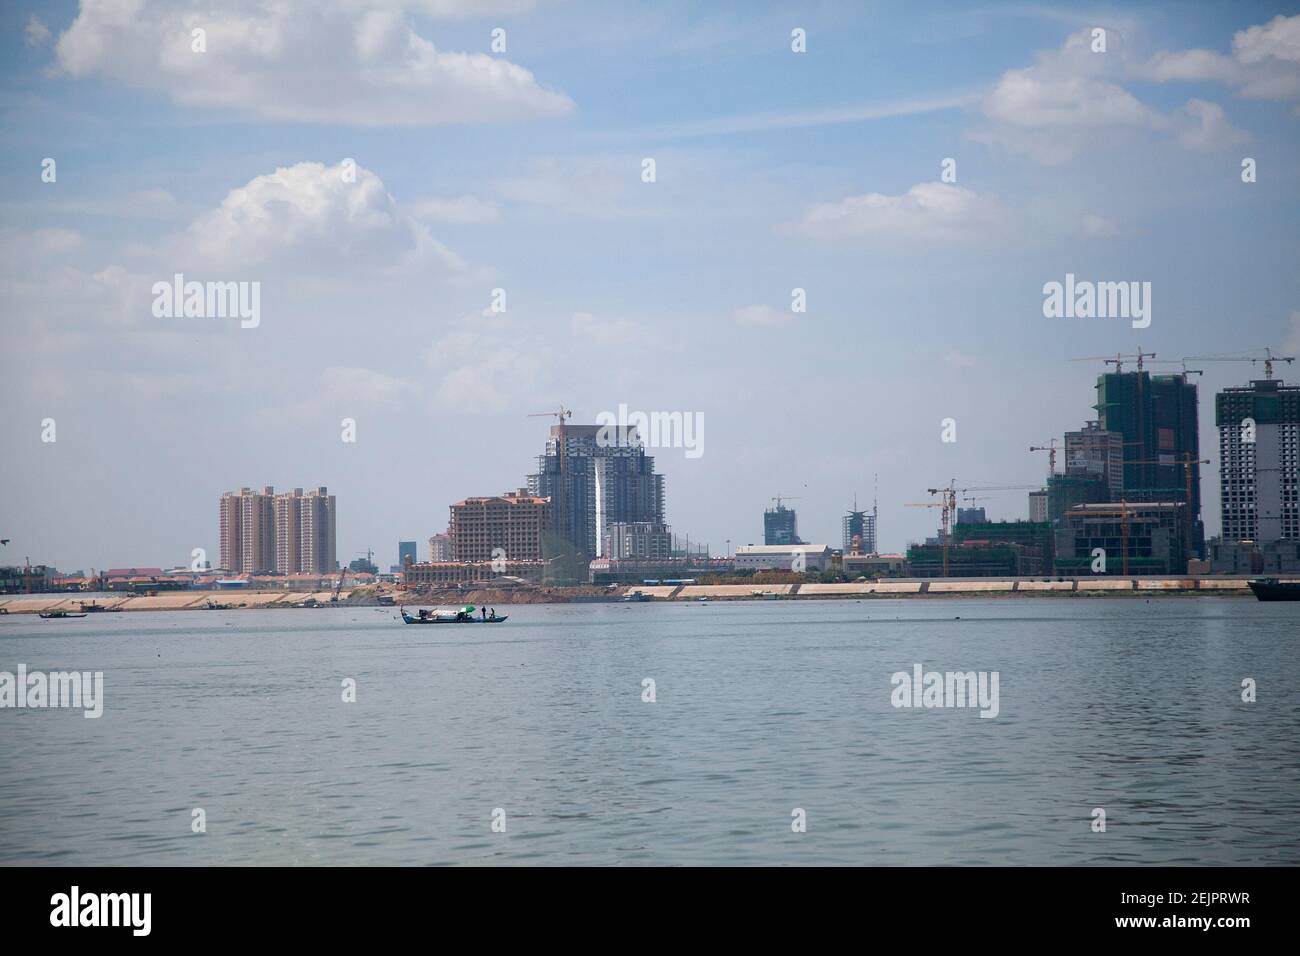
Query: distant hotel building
x=514 y=523
x=1259 y=479
x=440 y=547
x=265 y=533
x=637 y=539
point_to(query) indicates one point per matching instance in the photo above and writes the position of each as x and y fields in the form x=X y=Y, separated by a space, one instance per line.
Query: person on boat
x=483 y=611
x=423 y=613
x=494 y=614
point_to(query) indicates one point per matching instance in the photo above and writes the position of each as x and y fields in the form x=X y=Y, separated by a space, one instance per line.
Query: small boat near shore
x=1271 y=589
x=59 y=615
x=95 y=608
x=464 y=615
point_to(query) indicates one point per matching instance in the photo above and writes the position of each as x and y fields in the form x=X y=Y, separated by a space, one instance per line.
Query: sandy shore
x=370 y=597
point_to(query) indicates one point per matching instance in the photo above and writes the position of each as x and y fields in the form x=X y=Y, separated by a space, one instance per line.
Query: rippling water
x=1129 y=705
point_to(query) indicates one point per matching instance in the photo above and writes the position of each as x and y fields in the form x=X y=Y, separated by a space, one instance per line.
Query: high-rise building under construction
x=604 y=476
x=1259 y=461
x=780 y=525
x=1155 y=417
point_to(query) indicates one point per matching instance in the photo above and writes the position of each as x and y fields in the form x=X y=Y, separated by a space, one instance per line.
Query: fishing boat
x=59 y=615
x=94 y=608
x=214 y=606
x=1271 y=589
x=637 y=596
x=463 y=615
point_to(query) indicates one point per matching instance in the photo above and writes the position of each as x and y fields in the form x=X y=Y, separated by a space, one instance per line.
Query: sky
x=379 y=167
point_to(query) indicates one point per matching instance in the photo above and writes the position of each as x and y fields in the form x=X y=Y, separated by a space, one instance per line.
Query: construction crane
x=1268 y=359
x=1051 y=450
x=779 y=498
x=948 y=504
x=1119 y=360
x=1182 y=362
x=946 y=514
x=559 y=501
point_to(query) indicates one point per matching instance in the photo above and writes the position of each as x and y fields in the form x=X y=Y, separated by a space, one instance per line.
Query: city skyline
x=1005 y=505
x=820 y=171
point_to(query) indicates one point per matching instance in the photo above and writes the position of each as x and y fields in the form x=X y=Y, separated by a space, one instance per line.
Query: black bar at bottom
x=304 y=905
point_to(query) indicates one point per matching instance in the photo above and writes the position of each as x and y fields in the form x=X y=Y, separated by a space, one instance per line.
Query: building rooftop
x=780 y=548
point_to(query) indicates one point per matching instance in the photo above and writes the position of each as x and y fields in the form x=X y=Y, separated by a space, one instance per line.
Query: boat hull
x=1273 y=590
x=406 y=618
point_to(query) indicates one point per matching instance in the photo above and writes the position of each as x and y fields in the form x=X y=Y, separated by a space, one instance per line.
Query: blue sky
x=521 y=170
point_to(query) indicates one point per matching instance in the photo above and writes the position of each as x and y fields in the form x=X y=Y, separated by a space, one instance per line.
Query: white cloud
x=306 y=216
x=599 y=186
x=1068 y=100
x=623 y=332
x=345 y=61
x=1188 y=65
x=927 y=212
x=462 y=210
x=955 y=359
x=1207 y=128
x=763 y=315
x=1264 y=63
x=1092 y=226
x=58 y=299
x=365 y=389
x=486 y=363
x=52 y=241
x=1278 y=39
x=36 y=32
x=1072 y=99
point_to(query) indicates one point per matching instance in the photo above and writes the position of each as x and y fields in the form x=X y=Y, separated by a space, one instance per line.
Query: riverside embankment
x=1138 y=587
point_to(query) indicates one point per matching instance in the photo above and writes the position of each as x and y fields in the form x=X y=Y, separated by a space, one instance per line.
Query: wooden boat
x=94 y=608
x=464 y=616
x=59 y=615
x=214 y=606
x=1271 y=589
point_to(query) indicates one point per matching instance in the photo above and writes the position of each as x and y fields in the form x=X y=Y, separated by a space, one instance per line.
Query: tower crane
x=1051 y=450
x=1120 y=359
x=948 y=504
x=1268 y=359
